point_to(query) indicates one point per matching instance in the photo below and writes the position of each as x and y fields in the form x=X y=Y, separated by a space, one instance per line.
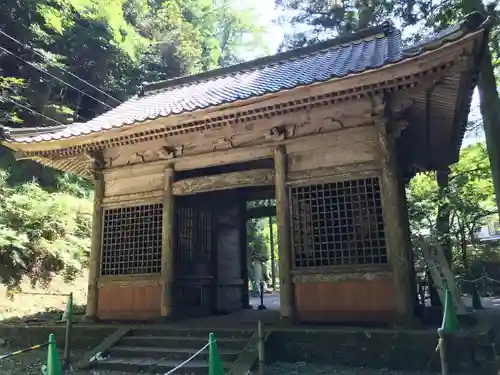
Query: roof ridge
x=386 y=28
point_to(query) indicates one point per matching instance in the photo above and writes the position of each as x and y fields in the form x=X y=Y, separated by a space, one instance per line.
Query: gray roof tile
x=369 y=49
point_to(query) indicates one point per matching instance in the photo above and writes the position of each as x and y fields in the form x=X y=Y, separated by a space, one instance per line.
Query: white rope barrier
x=479 y=279
x=189 y=359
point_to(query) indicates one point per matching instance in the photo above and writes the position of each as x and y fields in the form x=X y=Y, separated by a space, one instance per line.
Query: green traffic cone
x=68 y=312
x=215 y=366
x=476 y=300
x=450 y=319
x=53 y=363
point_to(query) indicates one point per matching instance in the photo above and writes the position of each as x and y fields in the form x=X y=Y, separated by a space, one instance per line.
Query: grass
x=33 y=305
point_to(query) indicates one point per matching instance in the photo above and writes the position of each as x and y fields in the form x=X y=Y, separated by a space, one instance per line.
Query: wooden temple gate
x=332 y=132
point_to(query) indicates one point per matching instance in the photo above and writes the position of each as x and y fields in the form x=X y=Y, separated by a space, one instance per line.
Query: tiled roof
x=366 y=50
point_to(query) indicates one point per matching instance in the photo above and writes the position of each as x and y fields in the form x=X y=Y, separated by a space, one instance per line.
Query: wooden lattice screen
x=132 y=239
x=338 y=223
x=194 y=235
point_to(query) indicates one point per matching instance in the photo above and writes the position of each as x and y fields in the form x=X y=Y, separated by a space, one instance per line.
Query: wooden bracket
x=166 y=152
x=96 y=158
x=398 y=126
x=329 y=123
x=222 y=144
x=279 y=133
x=378 y=103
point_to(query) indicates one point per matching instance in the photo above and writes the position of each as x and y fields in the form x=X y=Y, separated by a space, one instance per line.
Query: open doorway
x=211 y=252
x=262 y=254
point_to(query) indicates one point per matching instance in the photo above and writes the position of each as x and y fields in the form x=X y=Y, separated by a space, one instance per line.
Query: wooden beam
x=167 y=258
x=283 y=223
x=259 y=212
x=89 y=357
x=248 y=357
x=395 y=232
x=96 y=245
x=224 y=181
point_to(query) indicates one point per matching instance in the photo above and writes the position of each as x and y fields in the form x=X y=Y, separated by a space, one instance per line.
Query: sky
x=276 y=33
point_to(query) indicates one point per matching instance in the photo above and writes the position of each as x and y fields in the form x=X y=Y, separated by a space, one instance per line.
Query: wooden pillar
x=167 y=254
x=394 y=223
x=283 y=224
x=96 y=245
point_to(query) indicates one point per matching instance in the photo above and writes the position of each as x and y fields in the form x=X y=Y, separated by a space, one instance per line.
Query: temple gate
x=332 y=132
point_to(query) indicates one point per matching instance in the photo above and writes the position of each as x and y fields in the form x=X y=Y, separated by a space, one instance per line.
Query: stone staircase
x=158 y=350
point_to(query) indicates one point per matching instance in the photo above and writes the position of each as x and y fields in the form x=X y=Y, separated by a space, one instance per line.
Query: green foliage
x=114 y=45
x=41 y=233
x=469 y=198
x=256 y=237
x=315 y=20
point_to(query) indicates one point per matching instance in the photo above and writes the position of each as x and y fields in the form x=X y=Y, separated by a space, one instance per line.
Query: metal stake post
x=67 y=338
x=260 y=333
x=442 y=353
x=262 y=306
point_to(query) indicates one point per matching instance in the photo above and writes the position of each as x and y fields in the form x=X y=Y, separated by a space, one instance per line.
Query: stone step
x=188 y=342
x=153 y=366
x=175 y=354
x=219 y=333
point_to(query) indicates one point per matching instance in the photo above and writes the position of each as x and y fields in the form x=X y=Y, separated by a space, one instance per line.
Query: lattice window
x=194 y=231
x=338 y=224
x=132 y=238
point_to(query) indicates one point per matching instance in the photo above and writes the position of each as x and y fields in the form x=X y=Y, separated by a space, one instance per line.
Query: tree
x=437 y=16
x=315 y=20
x=114 y=45
x=469 y=198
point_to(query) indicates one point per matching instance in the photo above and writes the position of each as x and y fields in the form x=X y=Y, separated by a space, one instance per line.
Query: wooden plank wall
x=323 y=295
x=347 y=147
x=317 y=152
x=321 y=157
x=355 y=300
x=129 y=298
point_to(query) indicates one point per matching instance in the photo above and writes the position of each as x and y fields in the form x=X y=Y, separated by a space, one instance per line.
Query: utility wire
x=31 y=110
x=53 y=76
x=31 y=49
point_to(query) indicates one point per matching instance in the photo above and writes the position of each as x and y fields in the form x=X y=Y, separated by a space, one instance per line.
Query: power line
x=31 y=110
x=31 y=49
x=53 y=76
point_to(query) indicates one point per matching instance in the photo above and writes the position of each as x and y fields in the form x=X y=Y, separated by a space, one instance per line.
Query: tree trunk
x=489 y=103
x=490 y=111
x=463 y=247
x=442 y=228
x=443 y=214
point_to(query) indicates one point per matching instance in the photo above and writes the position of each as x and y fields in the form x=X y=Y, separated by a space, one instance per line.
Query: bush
x=41 y=233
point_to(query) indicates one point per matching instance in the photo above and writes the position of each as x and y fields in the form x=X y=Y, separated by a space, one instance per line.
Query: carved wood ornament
x=162 y=153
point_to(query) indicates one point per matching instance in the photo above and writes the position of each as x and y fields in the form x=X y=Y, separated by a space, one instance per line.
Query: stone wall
x=83 y=337
x=396 y=350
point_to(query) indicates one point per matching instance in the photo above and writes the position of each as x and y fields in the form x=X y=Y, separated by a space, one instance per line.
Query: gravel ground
x=31 y=364
x=303 y=368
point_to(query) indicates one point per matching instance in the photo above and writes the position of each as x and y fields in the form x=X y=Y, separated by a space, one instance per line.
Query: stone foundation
x=391 y=349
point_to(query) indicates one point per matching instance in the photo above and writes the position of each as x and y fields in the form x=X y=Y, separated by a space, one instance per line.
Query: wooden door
x=194 y=262
x=229 y=256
